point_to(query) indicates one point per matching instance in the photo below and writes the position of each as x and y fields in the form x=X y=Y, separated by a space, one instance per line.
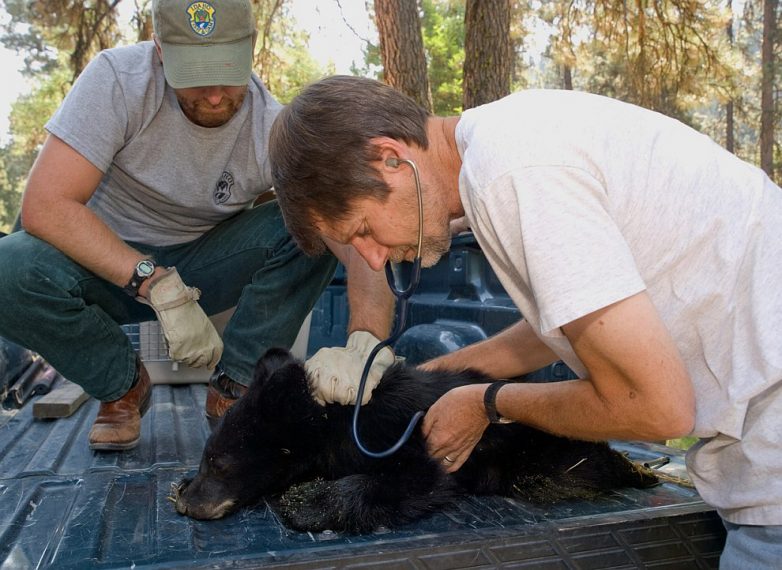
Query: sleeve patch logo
x=223 y=189
x=202 y=18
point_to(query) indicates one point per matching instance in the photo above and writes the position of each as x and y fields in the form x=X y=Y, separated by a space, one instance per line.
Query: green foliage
x=283 y=60
x=683 y=443
x=29 y=113
x=42 y=29
x=443 y=34
x=10 y=193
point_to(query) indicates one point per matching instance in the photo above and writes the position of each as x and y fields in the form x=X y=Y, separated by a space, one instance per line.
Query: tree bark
x=402 y=49
x=488 y=52
x=767 y=87
x=142 y=20
x=730 y=140
x=567 y=78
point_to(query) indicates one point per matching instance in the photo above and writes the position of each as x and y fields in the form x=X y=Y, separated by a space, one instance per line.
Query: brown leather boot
x=222 y=394
x=118 y=425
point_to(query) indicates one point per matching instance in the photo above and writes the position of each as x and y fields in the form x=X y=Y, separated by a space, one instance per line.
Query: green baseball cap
x=205 y=43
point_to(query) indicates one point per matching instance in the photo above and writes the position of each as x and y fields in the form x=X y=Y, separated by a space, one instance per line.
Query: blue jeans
x=71 y=317
x=749 y=547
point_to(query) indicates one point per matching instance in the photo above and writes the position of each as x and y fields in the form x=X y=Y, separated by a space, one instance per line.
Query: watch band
x=490 y=403
x=144 y=270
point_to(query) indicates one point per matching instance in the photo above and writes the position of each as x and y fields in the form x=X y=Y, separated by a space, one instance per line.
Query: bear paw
x=308 y=506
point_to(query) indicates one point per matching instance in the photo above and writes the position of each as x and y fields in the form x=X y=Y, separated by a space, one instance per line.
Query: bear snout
x=202 y=499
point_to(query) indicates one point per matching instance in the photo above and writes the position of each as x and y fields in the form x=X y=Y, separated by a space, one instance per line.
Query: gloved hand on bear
x=335 y=373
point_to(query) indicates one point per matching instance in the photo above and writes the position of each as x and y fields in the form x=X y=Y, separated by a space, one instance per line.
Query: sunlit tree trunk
x=488 y=52
x=402 y=49
x=767 y=87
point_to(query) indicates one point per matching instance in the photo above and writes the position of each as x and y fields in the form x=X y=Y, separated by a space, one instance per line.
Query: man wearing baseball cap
x=139 y=206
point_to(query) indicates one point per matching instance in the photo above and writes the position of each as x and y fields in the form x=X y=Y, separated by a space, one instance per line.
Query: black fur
x=276 y=441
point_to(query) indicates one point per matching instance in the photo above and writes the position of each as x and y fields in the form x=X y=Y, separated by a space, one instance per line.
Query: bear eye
x=285 y=451
x=218 y=463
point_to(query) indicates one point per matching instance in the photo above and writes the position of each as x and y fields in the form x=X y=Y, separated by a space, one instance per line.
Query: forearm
x=54 y=210
x=576 y=409
x=82 y=236
x=369 y=298
x=371 y=301
x=515 y=351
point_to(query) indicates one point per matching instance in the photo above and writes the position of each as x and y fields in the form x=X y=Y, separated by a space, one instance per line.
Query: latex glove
x=335 y=373
x=190 y=335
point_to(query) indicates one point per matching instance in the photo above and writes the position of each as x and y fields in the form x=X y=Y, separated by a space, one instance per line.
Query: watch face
x=145 y=268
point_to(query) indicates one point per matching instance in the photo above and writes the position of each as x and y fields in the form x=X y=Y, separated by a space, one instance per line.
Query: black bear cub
x=276 y=442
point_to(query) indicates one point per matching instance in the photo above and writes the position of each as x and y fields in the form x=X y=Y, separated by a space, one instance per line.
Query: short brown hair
x=320 y=149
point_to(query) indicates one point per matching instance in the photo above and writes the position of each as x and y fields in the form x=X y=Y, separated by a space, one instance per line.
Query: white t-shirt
x=166 y=180
x=579 y=201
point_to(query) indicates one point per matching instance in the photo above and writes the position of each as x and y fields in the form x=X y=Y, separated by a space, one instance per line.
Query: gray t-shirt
x=580 y=201
x=166 y=180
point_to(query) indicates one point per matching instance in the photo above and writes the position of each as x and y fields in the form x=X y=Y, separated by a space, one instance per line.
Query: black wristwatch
x=490 y=403
x=143 y=271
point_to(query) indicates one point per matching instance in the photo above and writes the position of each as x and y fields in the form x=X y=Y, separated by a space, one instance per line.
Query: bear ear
x=273 y=359
x=286 y=394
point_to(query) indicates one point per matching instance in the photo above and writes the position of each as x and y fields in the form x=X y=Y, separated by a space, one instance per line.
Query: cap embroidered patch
x=202 y=18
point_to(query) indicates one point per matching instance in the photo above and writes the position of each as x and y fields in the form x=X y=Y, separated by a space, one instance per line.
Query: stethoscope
x=402 y=297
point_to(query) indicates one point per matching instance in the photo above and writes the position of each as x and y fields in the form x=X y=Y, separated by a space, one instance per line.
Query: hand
x=454 y=425
x=190 y=335
x=335 y=373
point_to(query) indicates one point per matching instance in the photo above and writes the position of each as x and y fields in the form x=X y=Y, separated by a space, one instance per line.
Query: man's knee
x=31 y=267
x=18 y=252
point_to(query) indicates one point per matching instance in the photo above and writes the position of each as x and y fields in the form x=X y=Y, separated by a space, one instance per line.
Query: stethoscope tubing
x=402 y=296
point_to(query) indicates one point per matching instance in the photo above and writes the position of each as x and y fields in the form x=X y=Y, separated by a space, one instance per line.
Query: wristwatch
x=143 y=271
x=490 y=403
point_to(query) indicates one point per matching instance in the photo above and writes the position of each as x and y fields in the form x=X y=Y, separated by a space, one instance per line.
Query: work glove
x=335 y=373
x=190 y=335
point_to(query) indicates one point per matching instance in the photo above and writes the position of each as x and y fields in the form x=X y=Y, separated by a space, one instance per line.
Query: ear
x=273 y=359
x=388 y=151
x=158 y=49
x=286 y=394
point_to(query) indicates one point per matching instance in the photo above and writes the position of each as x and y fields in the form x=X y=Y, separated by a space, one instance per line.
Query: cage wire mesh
x=148 y=341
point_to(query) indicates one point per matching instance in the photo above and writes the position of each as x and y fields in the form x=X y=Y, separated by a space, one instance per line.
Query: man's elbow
x=674 y=416
x=41 y=210
x=33 y=218
x=678 y=425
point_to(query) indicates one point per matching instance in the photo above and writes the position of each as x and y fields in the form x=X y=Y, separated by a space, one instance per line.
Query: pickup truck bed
x=63 y=506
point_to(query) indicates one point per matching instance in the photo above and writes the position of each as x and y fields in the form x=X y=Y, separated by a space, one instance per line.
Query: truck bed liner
x=64 y=506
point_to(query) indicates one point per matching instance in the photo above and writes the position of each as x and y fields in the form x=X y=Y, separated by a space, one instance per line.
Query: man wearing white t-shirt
x=640 y=252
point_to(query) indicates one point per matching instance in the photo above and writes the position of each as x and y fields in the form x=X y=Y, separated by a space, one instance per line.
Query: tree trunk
x=142 y=20
x=265 y=12
x=767 y=87
x=488 y=52
x=730 y=143
x=567 y=78
x=402 y=49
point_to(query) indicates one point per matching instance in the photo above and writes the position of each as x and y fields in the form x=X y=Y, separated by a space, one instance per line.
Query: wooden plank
x=60 y=403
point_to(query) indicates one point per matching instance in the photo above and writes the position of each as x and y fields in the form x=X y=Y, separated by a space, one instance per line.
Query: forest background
x=710 y=63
